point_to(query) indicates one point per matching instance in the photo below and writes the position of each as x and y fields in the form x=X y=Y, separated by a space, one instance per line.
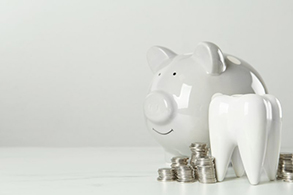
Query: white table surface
x=103 y=171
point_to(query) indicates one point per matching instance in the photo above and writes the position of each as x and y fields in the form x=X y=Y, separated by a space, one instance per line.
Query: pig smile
x=162 y=133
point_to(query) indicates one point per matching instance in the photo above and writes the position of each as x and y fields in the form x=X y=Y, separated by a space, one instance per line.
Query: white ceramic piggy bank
x=176 y=107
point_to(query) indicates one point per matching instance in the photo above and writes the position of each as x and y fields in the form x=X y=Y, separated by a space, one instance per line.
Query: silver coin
x=199 y=152
x=198 y=144
x=289 y=174
x=166 y=180
x=286 y=154
x=208 y=182
x=186 y=181
x=179 y=160
x=285 y=165
x=180 y=157
x=207 y=179
x=165 y=170
x=205 y=168
x=205 y=174
x=206 y=158
x=205 y=163
x=177 y=165
x=183 y=167
x=199 y=155
x=287 y=161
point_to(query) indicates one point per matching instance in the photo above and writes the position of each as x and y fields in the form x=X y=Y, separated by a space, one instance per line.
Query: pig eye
x=159 y=74
x=174 y=73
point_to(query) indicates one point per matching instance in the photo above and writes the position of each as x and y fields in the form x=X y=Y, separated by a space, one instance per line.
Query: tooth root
x=252 y=138
x=274 y=138
x=222 y=153
x=221 y=146
x=237 y=163
x=252 y=156
x=271 y=160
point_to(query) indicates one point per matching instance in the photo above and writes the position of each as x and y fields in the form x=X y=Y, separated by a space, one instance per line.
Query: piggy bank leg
x=274 y=138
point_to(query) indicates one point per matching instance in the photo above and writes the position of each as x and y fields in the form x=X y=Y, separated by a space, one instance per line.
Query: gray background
x=74 y=73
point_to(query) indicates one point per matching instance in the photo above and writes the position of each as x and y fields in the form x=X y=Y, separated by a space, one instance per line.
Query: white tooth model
x=245 y=129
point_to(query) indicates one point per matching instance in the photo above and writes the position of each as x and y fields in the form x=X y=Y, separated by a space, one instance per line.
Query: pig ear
x=156 y=55
x=210 y=57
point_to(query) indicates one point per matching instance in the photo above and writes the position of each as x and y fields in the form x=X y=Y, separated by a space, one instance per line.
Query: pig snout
x=158 y=107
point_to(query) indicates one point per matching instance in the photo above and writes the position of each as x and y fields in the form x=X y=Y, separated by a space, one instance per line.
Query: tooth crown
x=245 y=129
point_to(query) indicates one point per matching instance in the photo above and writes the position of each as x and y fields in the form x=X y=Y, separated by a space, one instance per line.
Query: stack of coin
x=166 y=174
x=206 y=170
x=285 y=169
x=179 y=161
x=198 y=150
x=184 y=174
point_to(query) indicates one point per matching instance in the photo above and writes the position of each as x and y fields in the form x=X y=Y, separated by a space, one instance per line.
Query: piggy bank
x=176 y=107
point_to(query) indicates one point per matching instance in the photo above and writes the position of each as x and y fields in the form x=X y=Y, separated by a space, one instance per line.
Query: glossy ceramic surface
x=176 y=107
x=247 y=130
